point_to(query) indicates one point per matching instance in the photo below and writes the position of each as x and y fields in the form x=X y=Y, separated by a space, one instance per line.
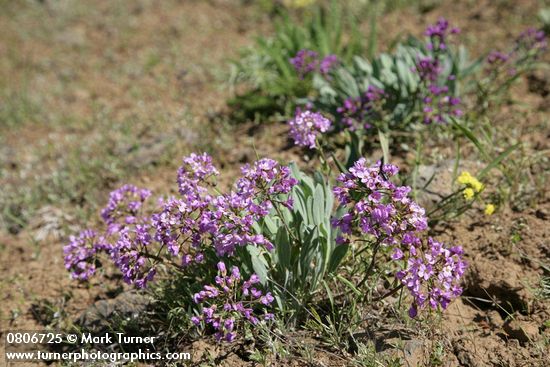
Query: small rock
x=436 y=181
x=412 y=351
x=541 y=214
x=99 y=316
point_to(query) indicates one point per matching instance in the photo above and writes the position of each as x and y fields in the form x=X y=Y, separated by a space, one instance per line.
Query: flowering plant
x=182 y=230
x=278 y=226
x=416 y=83
x=387 y=218
x=502 y=68
x=280 y=69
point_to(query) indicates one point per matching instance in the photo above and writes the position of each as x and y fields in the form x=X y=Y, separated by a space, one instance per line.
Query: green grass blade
x=497 y=160
x=471 y=136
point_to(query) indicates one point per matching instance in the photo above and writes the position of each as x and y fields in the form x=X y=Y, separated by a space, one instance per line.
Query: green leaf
x=318 y=205
x=384 y=144
x=497 y=160
x=309 y=206
x=329 y=201
x=372 y=42
x=258 y=263
x=299 y=202
x=329 y=293
x=270 y=224
x=349 y=284
x=363 y=65
x=471 y=136
x=337 y=256
x=283 y=249
x=339 y=164
x=295 y=171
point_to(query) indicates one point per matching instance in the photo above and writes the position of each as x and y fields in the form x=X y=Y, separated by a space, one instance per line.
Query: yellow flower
x=464 y=178
x=298 y=3
x=478 y=186
x=468 y=193
x=489 y=209
x=467 y=179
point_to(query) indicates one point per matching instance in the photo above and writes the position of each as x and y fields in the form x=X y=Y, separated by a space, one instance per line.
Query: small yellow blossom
x=467 y=179
x=298 y=3
x=478 y=186
x=469 y=193
x=489 y=209
x=464 y=178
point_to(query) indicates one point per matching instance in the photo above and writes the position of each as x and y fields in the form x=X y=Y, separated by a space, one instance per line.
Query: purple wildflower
x=438 y=104
x=124 y=203
x=128 y=254
x=305 y=62
x=383 y=211
x=305 y=126
x=328 y=63
x=497 y=58
x=80 y=254
x=433 y=275
x=193 y=175
x=363 y=111
x=532 y=40
x=226 y=307
x=438 y=34
x=187 y=226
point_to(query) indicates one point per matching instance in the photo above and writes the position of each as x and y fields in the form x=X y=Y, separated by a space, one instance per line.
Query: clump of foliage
x=271 y=68
x=416 y=83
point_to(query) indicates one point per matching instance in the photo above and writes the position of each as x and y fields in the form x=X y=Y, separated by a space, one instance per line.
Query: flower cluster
x=231 y=302
x=437 y=102
x=532 y=40
x=305 y=126
x=438 y=34
x=428 y=68
x=361 y=112
x=129 y=254
x=183 y=227
x=497 y=58
x=432 y=275
x=383 y=211
x=224 y=221
x=307 y=61
x=260 y=185
x=327 y=64
x=529 y=46
x=125 y=201
x=193 y=174
x=125 y=240
x=80 y=254
x=472 y=185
